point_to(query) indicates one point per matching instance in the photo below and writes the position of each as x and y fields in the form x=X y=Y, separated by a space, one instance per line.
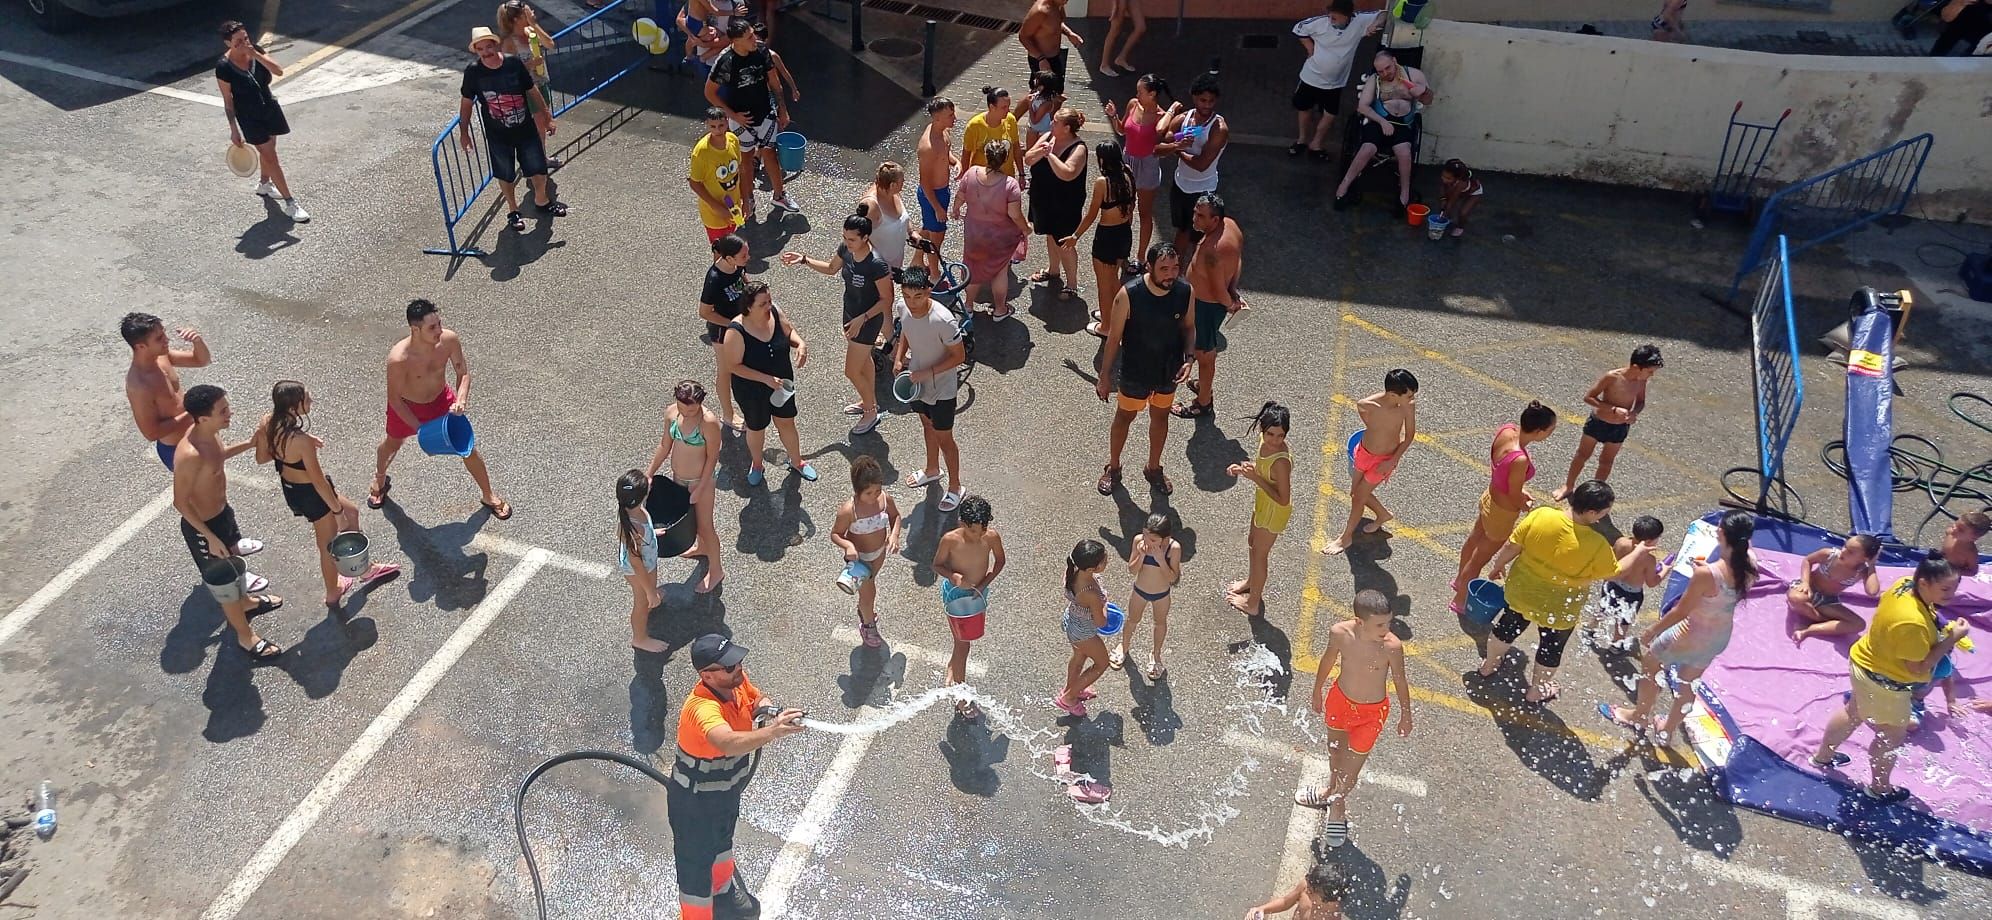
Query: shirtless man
x=1357 y=704
x=152 y=386
x=1961 y=541
x=937 y=165
x=968 y=558
x=1043 y=33
x=1390 y=425
x=417 y=393
x=200 y=494
x=1616 y=401
x=1214 y=268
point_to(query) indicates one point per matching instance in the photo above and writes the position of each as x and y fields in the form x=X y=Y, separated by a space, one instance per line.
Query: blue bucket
x=1114 y=620
x=448 y=435
x=789 y=149
x=1484 y=601
x=1354 y=440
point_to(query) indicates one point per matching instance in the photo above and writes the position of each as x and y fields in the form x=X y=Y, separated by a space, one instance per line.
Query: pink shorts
x=1372 y=466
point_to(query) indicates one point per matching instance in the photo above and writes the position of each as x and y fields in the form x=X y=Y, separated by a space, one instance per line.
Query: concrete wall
x=1504 y=10
x=1651 y=114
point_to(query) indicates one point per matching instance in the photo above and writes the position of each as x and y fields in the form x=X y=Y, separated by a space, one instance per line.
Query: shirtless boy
x=968 y=558
x=1214 y=267
x=1961 y=541
x=1043 y=33
x=1356 y=705
x=1319 y=896
x=200 y=494
x=937 y=164
x=1616 y=401
x=418 y=392
x=152 y=386
x=1390 y=425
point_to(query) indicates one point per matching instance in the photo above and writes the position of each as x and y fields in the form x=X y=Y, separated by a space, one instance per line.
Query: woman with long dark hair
x=636 y=557
x=1085 y=617
x=867 y=298
x=1112 y=204
x=691 y=444
x=254 y=117
x=1139 y=131
x=284 y=437
x=1690 y=636
x=1272 y=504
x=1505 y=499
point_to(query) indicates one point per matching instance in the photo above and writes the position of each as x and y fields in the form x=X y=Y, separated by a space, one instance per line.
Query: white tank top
x=1198 y=180
x=889 y=236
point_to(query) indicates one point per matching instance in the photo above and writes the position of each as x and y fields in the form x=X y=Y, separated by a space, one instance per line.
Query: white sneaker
x=294 y=211
x=786 y=203
x=267 y=189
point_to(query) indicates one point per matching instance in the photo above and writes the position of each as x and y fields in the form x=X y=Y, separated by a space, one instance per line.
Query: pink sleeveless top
x=1498 y=483
x=1140 y=135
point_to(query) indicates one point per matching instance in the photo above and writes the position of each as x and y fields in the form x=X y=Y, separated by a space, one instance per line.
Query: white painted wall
x=1651 y=114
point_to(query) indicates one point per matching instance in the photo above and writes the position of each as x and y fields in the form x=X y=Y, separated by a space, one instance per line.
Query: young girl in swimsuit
x=1272 y=505
x=1085 y=616
x=1047 y=97
x=1505 y=499
x=282 y=437
x=1156 y=561
x=636 y=557
x=867 y=530
x=1690 y=636
x=691 y=444
x=1815 y=596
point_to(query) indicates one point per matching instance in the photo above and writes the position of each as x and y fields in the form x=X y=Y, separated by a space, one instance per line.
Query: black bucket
x=670 y=507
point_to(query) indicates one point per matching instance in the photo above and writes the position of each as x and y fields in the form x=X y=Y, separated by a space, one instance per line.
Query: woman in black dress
x=758 y=348
x=254 y=118
x=1058 y=195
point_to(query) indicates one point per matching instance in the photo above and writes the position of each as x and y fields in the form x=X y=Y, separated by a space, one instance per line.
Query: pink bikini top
x=1498 y=483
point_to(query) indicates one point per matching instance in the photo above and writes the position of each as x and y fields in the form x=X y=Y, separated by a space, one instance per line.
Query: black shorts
x=304 y=500
x=1113 y=244
x=1399 y=134
x=222 y=526
x=940 y=413
x=868 y=333
x=1604 y=432
x=715 y=334
x=1549 y=642
x=1210 y=316
x=1182 y=205
x=1307 y=98
x=260 y=130
x=1055 y=64
x=751 y=396
x=515 y=154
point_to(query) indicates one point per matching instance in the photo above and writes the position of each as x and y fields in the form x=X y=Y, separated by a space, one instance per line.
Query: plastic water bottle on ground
x=45 y=818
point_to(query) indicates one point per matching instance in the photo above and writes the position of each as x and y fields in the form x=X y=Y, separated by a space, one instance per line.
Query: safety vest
x=701 y=767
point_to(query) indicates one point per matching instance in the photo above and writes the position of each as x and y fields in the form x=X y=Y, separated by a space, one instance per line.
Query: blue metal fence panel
x=1780 y=393
x=1836 y=202
x=587 y=57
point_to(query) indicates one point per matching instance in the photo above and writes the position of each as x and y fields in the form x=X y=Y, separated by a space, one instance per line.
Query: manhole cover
x=895 y=47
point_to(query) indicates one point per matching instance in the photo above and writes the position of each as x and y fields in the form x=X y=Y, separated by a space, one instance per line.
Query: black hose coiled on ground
x=519 y=804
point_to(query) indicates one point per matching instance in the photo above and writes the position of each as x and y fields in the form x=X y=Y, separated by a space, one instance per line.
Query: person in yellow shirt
x=1557 y=556
x=720 y=736
x=998 y=123
x=715 y=176
x=1899 y=651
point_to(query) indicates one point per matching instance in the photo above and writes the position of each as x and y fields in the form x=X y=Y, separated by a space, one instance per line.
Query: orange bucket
x=1416 y=214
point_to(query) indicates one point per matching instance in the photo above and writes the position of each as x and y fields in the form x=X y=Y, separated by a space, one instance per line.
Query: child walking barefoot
x=1085 y=616
x=1156 y=561
x=1691 y=636
x=1390 y=425
x=867 y=530
x=1272 y=505
x=637 y=557
x=1815 y=595
x=968 y=558
x=1357 y=704
x=1619 y=601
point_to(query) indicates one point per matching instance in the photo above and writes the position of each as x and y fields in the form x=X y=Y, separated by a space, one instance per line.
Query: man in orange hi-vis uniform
x=718 y=749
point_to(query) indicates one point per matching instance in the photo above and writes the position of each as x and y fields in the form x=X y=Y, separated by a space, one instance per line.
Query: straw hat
x=241 y=159
x=480 y=34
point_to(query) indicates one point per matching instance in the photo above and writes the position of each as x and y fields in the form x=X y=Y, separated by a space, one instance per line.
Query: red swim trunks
x=428 y=411
x=1372 y=466
x=1363 y=721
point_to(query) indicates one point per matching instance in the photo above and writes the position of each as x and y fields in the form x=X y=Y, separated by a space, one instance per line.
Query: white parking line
x=21 y=616
x=356 y=758
x=1302 y=825
x=67 y=70
x=558 y=560
x=808 y=830
x=1804 y=899
x=1408 y=785
x=912 y=652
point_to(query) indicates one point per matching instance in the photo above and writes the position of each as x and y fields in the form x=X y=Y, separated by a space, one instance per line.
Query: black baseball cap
x=715 y=650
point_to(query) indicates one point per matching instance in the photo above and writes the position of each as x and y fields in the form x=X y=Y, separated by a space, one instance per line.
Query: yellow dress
x=1267 y=514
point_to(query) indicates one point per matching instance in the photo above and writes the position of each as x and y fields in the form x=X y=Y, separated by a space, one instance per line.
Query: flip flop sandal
x=854 y=409
x=1005 y=313
x=1115 y=659
x=1334 y=833
x=1458 y=611
x=1311 y=796
x=553 y=208
x=517 y=221
x=1156 y=671
x=248 y=547
x=265 y=603
x=1087 y=694
x=1109 y=481
x=1159 y=480
x=951 y=500
x=502 y=510
x=256 y=582
x=264 y=651
x=377 y=499
x=1062 y=755
x=1089 y=793
x=1296 y=149
x=1042 y=277
x=1192 y=410
x=922 y=479
x=1605 y=710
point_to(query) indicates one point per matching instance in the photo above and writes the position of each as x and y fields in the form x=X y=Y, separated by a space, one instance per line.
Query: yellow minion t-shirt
x=717 y=168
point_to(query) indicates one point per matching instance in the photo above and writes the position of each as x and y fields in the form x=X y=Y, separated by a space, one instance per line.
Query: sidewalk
x=1840 y=39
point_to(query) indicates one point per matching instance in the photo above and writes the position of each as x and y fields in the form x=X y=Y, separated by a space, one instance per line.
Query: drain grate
x=991 y=23
x=954 y=17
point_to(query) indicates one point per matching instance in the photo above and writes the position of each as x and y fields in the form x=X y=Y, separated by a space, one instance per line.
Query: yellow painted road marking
x=354 y=37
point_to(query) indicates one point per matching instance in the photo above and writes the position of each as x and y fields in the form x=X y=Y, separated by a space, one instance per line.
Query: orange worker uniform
x=704 y=797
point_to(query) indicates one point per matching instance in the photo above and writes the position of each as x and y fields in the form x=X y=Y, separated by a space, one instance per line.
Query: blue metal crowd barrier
x=1836 y=202
x=1779 y=390
x=587 y=56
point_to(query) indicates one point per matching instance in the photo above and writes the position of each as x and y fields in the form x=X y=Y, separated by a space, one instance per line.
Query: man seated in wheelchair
x=1389 y=107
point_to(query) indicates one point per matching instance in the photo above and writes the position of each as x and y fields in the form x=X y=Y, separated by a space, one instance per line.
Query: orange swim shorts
x=1372 y=466
x=1362 y=721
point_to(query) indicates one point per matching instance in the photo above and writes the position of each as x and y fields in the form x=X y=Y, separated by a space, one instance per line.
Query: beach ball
x=653 y=38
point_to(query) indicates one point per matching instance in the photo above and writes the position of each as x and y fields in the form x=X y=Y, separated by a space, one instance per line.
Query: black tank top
x=1055 y=196
x=769 y=356
x=1152 y=339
